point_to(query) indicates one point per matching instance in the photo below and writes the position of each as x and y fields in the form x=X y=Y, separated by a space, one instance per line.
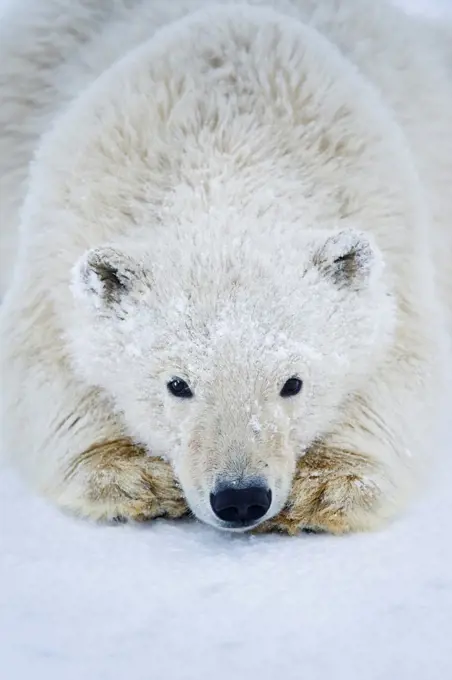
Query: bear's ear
x=347 y=258
x=105 y=276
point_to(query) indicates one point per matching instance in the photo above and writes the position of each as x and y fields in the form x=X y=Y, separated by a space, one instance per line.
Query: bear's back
x=54 y=50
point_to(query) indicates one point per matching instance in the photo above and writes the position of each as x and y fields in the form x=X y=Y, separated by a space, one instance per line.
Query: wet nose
x=241 y=506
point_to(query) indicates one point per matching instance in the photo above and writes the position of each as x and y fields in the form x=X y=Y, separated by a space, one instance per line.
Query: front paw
x=116 y=480
x=334 y=491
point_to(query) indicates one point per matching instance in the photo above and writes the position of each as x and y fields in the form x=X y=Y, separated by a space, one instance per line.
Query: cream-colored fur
x=232 y=194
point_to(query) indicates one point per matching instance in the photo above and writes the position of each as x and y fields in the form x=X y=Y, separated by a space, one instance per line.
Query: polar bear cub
x=231 y=284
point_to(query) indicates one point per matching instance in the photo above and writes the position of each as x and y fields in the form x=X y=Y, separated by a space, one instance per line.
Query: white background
x=182 y=602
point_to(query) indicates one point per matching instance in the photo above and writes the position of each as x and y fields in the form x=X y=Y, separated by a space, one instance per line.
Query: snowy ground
x=182 y=602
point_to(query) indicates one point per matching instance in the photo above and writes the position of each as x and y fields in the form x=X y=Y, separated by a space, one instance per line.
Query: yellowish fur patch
x=330 y=492
x=125 y=483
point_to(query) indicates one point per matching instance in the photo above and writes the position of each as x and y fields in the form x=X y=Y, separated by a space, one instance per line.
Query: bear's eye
x=291 y=387
x=179 y=388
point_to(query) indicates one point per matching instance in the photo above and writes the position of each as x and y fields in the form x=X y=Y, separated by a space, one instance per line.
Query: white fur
x=220 y=157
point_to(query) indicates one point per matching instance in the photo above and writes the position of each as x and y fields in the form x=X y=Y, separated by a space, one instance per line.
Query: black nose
x=241 y=506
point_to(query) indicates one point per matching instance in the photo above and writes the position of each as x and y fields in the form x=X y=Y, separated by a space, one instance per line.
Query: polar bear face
x=230 y=362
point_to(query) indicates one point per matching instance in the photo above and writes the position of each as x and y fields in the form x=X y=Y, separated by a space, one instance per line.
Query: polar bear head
x=231 y=359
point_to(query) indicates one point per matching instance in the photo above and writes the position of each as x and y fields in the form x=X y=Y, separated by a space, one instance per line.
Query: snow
x=431 y=8
x=180 y=601
x=183 y=602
